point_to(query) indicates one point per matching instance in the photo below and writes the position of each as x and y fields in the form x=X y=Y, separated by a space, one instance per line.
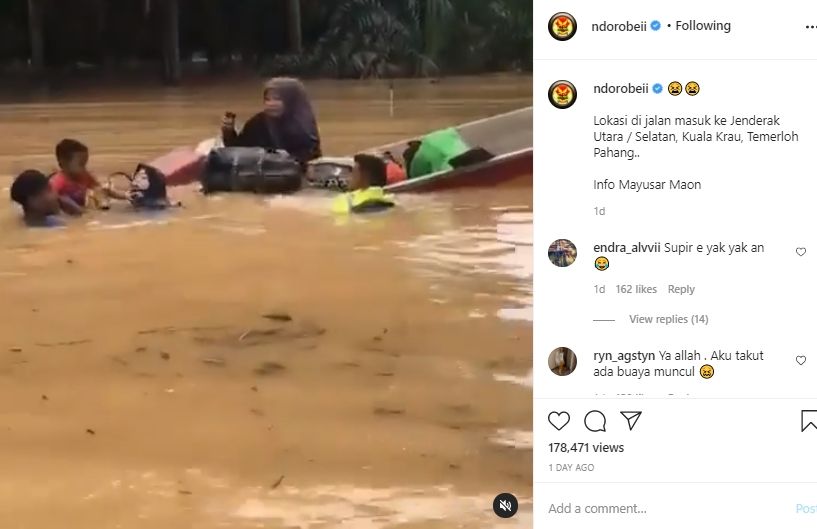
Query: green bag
x=435 y=152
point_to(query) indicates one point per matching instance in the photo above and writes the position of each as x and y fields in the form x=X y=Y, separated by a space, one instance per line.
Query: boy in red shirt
x=73 y=181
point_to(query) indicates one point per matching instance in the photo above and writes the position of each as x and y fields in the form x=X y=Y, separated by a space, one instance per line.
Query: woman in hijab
x=287 y=122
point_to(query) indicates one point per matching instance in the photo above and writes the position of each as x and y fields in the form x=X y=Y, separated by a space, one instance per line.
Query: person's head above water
x=369 y=170
x=72 y=157
x=33 y=192
x=285 y=96
x=366 y=193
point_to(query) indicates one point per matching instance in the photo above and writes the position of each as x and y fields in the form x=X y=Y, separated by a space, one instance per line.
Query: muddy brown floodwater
x=253 y=362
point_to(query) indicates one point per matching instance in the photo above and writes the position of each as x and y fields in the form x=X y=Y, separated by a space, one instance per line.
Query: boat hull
x=509 y=137
x=510 y=169
x=180 y=166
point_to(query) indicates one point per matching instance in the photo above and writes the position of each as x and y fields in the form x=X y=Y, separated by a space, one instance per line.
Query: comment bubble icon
x=595 y=421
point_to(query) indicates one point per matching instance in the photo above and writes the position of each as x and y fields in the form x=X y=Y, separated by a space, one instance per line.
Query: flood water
x=254 y=362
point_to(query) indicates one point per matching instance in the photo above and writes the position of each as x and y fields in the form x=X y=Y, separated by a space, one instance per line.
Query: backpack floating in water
x=334 y=173
x=330 y=173
x=148 y=189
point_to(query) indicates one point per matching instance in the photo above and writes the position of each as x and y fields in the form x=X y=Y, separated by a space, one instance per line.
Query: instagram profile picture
x=562 y=361
x=562 y=26
x=562 y=253
x=562 y=94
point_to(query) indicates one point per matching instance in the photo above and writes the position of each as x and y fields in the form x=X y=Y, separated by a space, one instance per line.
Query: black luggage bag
x=251 y=169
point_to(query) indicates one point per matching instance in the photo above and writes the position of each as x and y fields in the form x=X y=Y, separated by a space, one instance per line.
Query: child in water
x=74 y=183
x=366 y=184
x=41 y=206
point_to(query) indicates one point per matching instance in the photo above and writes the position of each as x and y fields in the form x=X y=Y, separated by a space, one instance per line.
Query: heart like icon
x=801 y=359
x=800 y=251
x=558 y=419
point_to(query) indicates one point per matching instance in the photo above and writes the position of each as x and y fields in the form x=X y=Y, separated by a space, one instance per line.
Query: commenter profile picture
x=562 y=361
x=562 y=94
x=562 y=253
x=562 y=26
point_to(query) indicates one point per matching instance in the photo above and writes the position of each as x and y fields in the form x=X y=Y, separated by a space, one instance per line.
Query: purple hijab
x=297 y=128
x=296 y=131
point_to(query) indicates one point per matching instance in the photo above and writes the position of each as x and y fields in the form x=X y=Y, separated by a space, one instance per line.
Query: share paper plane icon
x=632 y=418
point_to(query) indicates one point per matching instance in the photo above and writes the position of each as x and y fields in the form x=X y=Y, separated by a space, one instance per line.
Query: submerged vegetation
x=333 y=38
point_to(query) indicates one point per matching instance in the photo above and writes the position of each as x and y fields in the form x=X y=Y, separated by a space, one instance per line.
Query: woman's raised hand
x=228 y=121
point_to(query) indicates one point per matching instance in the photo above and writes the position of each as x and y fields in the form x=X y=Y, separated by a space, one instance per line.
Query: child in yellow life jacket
x=366 y=193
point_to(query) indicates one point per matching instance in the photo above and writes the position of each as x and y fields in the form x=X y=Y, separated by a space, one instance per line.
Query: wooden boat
x=509 y=137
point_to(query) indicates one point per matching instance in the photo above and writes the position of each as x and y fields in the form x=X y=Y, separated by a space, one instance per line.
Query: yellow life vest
x=362 y=201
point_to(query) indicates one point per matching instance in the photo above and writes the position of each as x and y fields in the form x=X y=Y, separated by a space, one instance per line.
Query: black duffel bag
x=251 y=169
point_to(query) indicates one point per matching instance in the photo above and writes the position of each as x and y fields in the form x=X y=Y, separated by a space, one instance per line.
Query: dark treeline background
x=328 y=38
